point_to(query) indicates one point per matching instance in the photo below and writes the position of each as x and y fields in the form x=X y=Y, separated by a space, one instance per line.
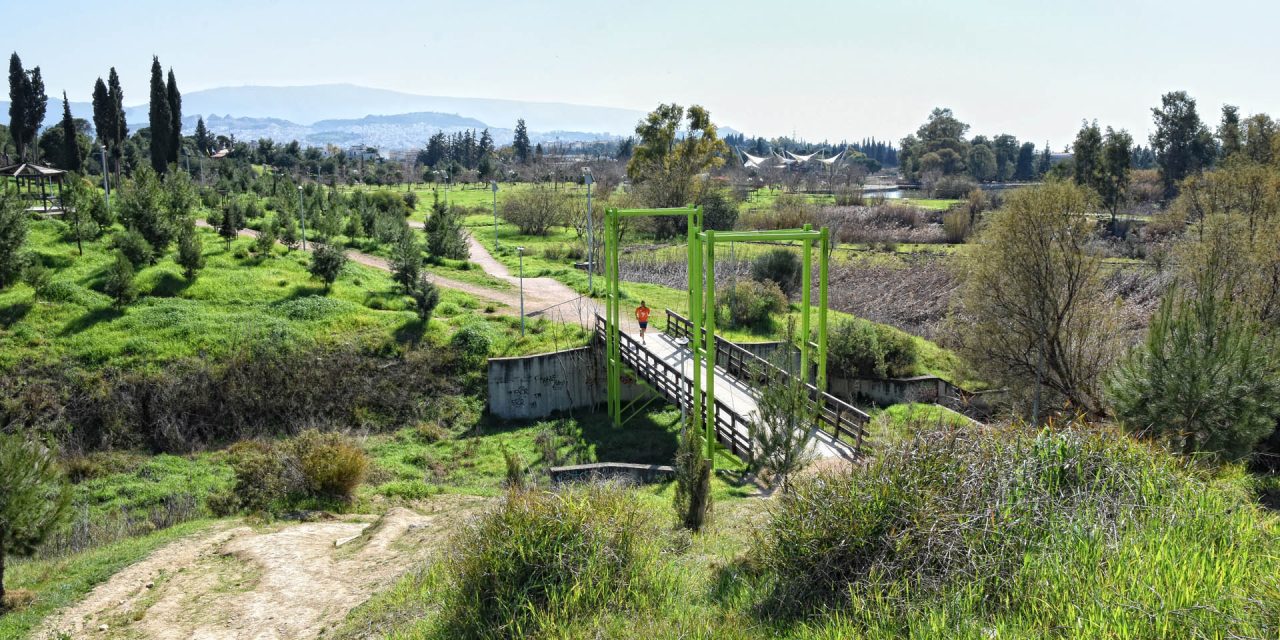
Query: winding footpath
x=543 y=297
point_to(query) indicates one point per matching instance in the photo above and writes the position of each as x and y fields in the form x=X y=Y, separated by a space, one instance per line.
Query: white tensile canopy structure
x=832 y=160
x=799 y=158
x=753 y=162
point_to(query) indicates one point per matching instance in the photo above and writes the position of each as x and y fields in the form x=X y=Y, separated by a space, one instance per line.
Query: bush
x=13 y=236
x=133 y=246
x=119 y=283
x=536 y=210
x=780 y=266
x=541 y=559
x=327 y=263
x=1072 y=528
x=753 y=304
x=332 y=464
x=272 y=476
x=952 y=187
x=955 y=224
x=473 y=343
x=860 y=349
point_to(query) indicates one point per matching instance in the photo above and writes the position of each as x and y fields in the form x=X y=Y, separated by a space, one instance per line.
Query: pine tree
x=190 y=251
x=18 y=87
x=70 y=150
x=521 y=142
x=406 y=259
x=35 y=498
x=161 y=119
x=175 y=116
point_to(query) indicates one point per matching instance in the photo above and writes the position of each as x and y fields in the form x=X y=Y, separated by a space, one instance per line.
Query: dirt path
x=292 y=581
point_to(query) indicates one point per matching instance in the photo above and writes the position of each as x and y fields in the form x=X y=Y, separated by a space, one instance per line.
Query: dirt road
x=290 y=581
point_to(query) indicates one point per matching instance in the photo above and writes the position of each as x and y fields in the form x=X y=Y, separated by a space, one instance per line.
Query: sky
x=815 y=69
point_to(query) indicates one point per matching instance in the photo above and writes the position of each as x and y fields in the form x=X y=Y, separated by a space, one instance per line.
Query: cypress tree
x=70 y=150
x=121 y=125
x=17 y=102
x=104 y=113
x=521 y=142
x=202 y=137
x=161 y=119
x=37 y=104
x=175 y=115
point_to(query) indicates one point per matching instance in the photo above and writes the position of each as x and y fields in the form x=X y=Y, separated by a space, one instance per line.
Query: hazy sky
x=820 y=69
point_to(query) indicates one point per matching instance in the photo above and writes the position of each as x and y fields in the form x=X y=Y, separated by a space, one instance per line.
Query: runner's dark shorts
x=644 y=325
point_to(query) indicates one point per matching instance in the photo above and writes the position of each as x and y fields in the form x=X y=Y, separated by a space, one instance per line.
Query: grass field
x=235 y=299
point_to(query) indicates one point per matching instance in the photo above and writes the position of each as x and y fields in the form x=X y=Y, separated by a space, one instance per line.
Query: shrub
x=955 y=224
x=780 y=266
x=265 y=243
x=515 y=469
x=754 y=303
x=119 y=283
x=536 y=210
x=13 y=235
x=540 y=559
x=473 y=343
x=327 y=263
x=190 y=251
x=332 y=464
x=952 y=187
x=860 y=349
x=270 y=476
x=1071 y=528
x=39 y=278
x=425 y=298
x=444 y=234
x=133 y=246
x=34 y=498
x=692 y=499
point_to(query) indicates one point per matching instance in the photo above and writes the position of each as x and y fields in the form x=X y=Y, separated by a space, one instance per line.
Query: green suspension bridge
x=716 y=382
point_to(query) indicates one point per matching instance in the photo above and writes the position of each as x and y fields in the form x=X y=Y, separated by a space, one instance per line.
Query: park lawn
x=899 y=421
x=410 y=464
x=235 y=299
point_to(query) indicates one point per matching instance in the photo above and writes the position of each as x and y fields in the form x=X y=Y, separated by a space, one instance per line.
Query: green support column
x=824 y=254
x=695 y=317
x=710 y=349
x=805 y=296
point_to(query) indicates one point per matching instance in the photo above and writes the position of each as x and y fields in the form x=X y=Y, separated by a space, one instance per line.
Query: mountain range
x=345 y=114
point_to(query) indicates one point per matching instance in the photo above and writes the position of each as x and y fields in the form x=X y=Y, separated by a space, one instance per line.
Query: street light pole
x=493 y=184
x=302 y=215
x=520 y=250
x=591 y=245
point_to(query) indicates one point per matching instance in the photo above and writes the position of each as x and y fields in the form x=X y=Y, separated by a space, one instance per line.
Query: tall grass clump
x=542 y=560
x=1009 y=533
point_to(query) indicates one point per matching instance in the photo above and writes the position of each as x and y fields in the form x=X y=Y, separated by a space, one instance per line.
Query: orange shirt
x=642 y=314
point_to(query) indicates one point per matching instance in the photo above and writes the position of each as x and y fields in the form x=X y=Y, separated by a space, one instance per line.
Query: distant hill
x=344 y=114
x=311 y=104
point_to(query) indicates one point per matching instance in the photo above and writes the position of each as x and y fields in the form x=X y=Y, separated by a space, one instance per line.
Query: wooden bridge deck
x=665 y=362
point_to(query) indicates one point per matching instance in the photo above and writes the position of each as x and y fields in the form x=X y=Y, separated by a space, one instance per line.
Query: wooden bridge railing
x=842 y=420
x=732 y=429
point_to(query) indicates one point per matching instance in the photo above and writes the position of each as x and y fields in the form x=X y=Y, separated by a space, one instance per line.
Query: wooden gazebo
x=32 y=176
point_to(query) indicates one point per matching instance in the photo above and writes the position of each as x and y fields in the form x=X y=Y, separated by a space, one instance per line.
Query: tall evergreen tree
x=1026 y=169
x=202 y=137
x=70 y=150
x=1087 y=154
x=161 y=119
x=121 y=130
x=18 y=87
x=175 y=116
x=521 y=142
x=37 y=104
x=1182 y=143
x=1230 y=135
x=103 y=113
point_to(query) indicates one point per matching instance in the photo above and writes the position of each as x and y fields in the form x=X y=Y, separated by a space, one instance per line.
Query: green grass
x=236 y=298
x=903 y=420
x=1000 y=534
x=63 y=581
x=408 y=466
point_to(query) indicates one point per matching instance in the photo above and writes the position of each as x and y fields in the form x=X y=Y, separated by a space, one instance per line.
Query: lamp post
x=591 y=245
x=302 y=215
x=520 y=250
x=493 y=184
x=106 y=186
